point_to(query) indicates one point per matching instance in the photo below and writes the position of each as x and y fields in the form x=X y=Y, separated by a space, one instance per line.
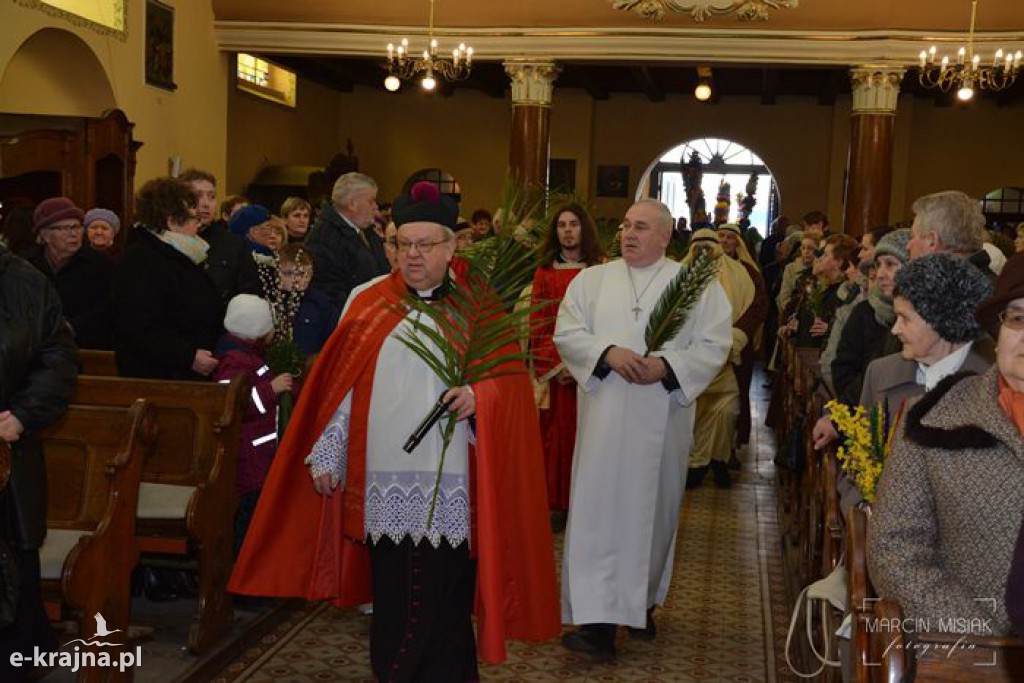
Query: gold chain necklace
x=637 y=310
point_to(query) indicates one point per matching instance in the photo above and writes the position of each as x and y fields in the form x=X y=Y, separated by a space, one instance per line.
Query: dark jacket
x=315 y=320
x=863 y=340
x=84 y=285
x=38 y=369
x=824 y=307
x=229 y=263
x=165 y=308
x=341 y=261
x=259 y=421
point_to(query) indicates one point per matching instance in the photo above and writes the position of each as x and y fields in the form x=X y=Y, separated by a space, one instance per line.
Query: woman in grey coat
x=951 y=497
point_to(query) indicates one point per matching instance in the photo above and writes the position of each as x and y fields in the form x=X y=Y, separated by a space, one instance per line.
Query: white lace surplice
x=399 y=485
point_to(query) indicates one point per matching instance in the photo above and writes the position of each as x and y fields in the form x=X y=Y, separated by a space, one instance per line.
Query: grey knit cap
x=894 y=244
x=945 y=290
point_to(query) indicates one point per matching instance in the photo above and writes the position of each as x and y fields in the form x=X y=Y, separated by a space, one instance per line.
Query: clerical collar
x=436 y=294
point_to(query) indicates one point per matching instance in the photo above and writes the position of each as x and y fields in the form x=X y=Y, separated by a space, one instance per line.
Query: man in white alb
x=635 y=430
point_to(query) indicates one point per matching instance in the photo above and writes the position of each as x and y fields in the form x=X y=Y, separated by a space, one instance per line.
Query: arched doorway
x=716 y=171
x=54 y=73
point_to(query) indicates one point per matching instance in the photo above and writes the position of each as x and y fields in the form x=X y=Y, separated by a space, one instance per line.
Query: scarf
x=885 y=315
x=193 y=247
x=1012 y=403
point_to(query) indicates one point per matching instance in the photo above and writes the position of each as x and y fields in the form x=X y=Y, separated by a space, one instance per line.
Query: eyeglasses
x=66 y=229
x=1012 y=319
x=422 y=247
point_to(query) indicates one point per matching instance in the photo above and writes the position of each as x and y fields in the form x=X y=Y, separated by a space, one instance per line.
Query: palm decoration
x=673 y=308
x=473 y=333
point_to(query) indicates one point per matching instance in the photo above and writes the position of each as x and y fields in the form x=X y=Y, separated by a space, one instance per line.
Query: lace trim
x=330 y=452
x=397 y=505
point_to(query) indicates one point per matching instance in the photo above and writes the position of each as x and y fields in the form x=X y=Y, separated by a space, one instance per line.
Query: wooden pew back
x=92 y=362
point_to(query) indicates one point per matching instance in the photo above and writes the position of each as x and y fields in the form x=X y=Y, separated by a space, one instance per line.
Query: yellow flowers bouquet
x=867 y=441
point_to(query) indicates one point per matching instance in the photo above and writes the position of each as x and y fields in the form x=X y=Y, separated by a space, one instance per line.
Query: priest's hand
x=654 y=370
x=325 y=484
x=629 y=364
x=462 y=401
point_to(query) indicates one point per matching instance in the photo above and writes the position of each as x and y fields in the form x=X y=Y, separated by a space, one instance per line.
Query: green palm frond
x=673 y=307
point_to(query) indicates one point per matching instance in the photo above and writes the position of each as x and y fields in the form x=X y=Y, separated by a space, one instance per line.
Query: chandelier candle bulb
x=960 y=55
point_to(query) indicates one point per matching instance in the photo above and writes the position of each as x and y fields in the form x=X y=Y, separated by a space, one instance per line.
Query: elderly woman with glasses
x=167 y=311
x=81 y=275
x=951 y=498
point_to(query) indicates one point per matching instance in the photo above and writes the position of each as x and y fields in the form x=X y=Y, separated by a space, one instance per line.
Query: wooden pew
x=861 y=599
x=834 y=526
x=941 y=657
x=102 y=363
x=187 y=499
x=94 y=459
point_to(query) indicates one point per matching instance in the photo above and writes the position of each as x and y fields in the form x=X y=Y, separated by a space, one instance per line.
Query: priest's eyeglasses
x=424 y=248
x=1012 y=318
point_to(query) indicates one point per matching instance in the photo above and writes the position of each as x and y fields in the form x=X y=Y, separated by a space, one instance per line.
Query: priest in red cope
x=570 y=245
x=343 y=515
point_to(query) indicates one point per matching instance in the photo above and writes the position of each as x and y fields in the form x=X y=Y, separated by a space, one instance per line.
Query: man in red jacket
x=356 y=525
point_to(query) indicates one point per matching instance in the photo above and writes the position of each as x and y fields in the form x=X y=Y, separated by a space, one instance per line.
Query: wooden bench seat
x=188 y=495
x=94 y=458
x=93 y=362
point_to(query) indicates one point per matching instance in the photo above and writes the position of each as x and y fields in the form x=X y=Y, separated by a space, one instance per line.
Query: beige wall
x=190 y=122
x=262 y=133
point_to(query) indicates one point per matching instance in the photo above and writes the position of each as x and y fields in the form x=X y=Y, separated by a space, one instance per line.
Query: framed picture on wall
x=160 y=45
x=562 y=175
x=612 y=181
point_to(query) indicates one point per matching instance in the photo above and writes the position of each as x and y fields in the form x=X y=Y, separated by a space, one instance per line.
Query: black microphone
x=435 y=414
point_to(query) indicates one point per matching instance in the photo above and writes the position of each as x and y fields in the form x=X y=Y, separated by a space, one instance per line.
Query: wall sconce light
x=703 y=90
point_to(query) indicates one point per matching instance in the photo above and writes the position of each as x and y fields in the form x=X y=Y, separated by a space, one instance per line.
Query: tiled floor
x=725 y=620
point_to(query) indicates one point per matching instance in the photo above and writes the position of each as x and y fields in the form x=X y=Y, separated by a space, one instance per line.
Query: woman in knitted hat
x=101 y=228
x=950 y=500
x=82 y=276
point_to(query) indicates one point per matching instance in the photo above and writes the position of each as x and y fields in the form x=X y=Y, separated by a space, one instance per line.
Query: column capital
x=532 y=81
x=875 y=88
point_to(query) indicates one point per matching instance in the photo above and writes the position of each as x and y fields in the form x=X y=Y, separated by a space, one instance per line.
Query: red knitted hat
x=55 y=209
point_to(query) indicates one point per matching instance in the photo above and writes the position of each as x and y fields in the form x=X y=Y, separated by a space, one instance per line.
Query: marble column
x=869 y=166
x=530 y=144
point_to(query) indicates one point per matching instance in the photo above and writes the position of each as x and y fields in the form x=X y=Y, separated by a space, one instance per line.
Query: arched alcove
x=55 y=73
x=719 y=160
x=444 y=180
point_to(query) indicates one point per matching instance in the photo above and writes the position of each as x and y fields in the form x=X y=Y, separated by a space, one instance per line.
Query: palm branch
x=674 y=304
x=473 y=333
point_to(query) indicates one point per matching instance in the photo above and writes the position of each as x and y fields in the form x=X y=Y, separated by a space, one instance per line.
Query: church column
x=530 y=145
x=869 y=166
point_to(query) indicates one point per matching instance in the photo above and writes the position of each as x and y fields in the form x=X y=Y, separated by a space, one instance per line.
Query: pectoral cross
x=636 y=312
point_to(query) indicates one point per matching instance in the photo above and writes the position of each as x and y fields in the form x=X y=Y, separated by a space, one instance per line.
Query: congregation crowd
x=587 y=431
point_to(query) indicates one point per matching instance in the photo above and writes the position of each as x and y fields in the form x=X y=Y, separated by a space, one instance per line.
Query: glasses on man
x=404 y=246
x=1012 y=318
x=66 y=229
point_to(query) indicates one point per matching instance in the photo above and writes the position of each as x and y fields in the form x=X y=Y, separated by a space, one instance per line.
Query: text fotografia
x=79 y=659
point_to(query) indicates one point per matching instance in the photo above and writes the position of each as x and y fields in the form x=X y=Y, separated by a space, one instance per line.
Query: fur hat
x=945 y=290
x=105 y=215
x=895 y=244
x=249 y=317
x=425 y=203
x=1009 y=287
x=247 y=217
x=54 y=210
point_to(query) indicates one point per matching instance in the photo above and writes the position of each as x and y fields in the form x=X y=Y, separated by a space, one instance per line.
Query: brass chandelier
x=968 y=73
x=403 y=66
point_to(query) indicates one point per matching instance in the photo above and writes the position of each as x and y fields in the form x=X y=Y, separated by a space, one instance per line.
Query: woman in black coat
x=167 y=312
x=38 y=369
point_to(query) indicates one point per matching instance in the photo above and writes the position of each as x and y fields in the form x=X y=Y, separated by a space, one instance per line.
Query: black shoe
x=156 y=585
x=734 y=462
x=648 y=632
x=595 y=640
x=558 y=520
x=695 y=477
x=721 y=472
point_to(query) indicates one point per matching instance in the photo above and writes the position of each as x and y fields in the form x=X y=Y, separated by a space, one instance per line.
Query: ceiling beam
x=769 y=86
x=645 y=79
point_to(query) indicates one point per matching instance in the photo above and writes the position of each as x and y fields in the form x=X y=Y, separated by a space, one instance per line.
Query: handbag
x=826 y=593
